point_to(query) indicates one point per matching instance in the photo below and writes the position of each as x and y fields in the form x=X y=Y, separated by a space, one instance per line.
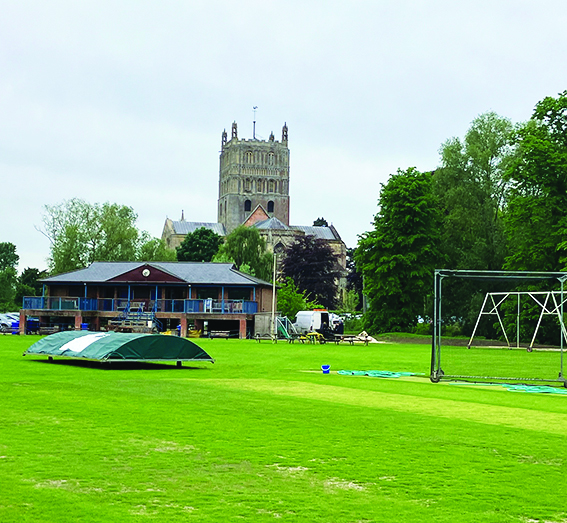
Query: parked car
x=6 y=320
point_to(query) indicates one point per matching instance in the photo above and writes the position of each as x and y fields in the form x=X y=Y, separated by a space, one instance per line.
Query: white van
x=310 y=321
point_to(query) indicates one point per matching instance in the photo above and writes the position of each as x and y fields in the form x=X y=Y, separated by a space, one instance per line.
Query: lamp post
x=274 y=330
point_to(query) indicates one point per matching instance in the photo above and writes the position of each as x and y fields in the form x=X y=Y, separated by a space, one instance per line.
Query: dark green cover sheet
x=117 y=346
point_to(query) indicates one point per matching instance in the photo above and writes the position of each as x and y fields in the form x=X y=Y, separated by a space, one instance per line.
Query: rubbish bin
x=15 y=327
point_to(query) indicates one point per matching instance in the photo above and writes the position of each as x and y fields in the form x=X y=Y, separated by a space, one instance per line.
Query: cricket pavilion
x=159 y=296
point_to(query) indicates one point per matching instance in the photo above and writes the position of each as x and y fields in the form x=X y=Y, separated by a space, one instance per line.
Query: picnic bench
x=299 y=337
x=260 y=337
x=314 y=337
x=351 y=339
x=318 y=337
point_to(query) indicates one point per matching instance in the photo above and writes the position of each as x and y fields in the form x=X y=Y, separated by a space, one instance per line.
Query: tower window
x=270 y=206
x=247 y=206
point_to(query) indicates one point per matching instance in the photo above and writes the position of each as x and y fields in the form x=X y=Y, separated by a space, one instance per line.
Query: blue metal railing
x=121 y=305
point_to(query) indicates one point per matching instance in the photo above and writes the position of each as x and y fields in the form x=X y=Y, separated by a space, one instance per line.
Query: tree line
x=498 y=201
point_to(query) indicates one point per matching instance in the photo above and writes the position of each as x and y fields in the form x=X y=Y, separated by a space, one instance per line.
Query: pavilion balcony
x=121 y=305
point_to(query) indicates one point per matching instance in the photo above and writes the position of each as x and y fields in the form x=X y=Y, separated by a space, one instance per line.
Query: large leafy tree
x=314 y=269
x=29 y=284
x=398 y=256
x=200 y=245
x=8 y=275
x=30 y=277
x=8 y=256
x=247 y=250
x=8 y=280
x=471 y=191
x=537 y=212
x=155 y=249
x=81 y=233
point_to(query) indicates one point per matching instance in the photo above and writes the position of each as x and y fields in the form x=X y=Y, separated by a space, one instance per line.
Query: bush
x=453 y=330
x=424 y=329
x=291 y=300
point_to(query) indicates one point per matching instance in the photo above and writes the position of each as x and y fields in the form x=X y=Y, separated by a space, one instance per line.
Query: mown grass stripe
x=515 y=417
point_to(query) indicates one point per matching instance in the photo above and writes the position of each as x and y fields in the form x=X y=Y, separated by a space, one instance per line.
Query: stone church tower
x=253 y=174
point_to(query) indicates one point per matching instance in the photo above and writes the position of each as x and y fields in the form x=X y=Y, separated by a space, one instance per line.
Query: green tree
x=201 y=245
x=397 y=258
x=155 y=250
x=21 y=291
x=291 y=300
x=28 y=284
x=30 y=277
x=350 y=302
x=8 y=280
x=354 y=283
x=8 y=256
x=247 y=249
x=8 y=276
x=536 y=216
x=81 y=233
x=471 y=191
x=314 y=268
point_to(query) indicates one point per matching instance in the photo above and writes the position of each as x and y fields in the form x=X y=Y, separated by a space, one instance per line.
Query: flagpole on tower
x=254 y=126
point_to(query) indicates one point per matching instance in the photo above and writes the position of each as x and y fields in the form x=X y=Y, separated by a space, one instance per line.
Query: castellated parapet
x=253 y=173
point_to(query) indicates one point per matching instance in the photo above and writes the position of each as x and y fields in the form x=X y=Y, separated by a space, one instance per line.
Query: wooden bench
x=44 y=331
x=219 y=334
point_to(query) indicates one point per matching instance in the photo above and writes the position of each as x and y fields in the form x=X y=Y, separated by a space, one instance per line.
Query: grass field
x=262 y=434
x=502 y=362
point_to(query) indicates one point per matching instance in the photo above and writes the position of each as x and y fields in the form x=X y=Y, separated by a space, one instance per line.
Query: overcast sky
x=125 y=101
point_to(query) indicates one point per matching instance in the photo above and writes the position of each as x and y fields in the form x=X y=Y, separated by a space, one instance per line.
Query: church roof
x=271 y=223
x=323 y=233
x=183 y=227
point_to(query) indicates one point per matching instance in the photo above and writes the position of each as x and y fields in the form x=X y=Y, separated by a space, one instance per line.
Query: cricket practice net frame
x=502 y=363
